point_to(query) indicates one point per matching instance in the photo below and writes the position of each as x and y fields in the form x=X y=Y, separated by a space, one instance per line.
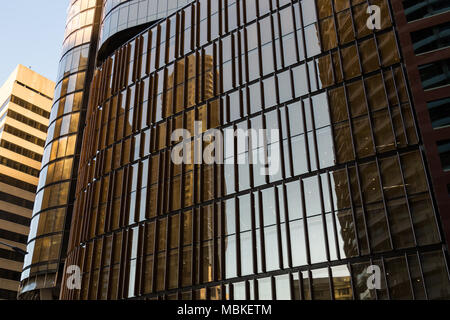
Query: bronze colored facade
x=52 y=210
x=353 y=190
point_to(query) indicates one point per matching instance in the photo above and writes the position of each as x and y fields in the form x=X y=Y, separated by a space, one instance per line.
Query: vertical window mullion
x=305 y=223
x=333 y=216
x=262 y=235
x=278 y=228
x=408 y=203
x=385 y=205
x=238 y=238
x=353 y=209
x=324 y=219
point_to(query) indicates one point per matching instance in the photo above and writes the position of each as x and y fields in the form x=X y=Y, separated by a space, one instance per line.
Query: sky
x=31 y=33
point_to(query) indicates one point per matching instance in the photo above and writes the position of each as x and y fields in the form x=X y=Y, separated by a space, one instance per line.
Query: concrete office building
x=26 y=100
x=353 y=192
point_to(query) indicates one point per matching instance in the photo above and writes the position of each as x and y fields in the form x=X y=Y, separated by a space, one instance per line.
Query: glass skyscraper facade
x=50 y=223
x=352 y=191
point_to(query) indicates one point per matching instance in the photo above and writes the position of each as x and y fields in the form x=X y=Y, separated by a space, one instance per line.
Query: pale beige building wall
x=35 y=89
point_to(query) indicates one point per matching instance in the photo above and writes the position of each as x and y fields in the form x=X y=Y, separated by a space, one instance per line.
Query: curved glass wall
x=351 y=191
x=52 y=207
x=119 y=15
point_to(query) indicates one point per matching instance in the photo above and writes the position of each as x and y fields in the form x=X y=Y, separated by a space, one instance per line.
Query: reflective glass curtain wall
x=47 y=241
x=424 y=33
x=119 y=15
x=352 y=190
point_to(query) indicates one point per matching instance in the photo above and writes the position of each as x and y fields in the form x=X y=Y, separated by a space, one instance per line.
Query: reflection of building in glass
x=424 y=28
x=47 y=241
x=122 y=20
x=208 y=176
x=25 y=102
x=352 y=190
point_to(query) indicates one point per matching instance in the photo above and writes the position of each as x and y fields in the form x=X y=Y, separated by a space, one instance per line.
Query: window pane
x=417 y=9
x=435 y=75
x=439 y=113
x=431 y=39
x=444 y=153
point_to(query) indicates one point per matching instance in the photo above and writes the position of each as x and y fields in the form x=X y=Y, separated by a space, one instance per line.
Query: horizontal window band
x=16 y=200
x=14 y=218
